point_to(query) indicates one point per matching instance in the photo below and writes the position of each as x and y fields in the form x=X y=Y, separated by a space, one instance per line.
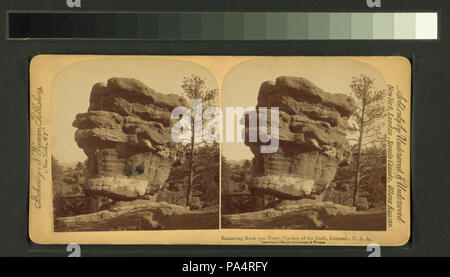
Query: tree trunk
x=191 y=173
x=258 y=201
x=92 y=204
x=358 y=158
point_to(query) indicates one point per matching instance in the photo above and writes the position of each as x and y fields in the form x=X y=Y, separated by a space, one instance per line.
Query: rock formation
x=307 y=214
x=300 y=214
x=126 y=137
x=140 y=215
x=312 y=139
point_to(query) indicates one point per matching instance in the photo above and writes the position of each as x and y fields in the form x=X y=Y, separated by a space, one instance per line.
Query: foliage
x=227 y=174
x=57 y=174
x=205 y=175
x=372 y=186
x=236 y=198
x=235 y=175
x=206 y=172
x=66 y=181
x=373 y=174
x=195 y=88
x=369 y=108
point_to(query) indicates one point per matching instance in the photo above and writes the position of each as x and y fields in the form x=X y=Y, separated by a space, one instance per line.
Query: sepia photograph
x=114 y=163
x=219 y=150
x=224 y=136
x=329 y=171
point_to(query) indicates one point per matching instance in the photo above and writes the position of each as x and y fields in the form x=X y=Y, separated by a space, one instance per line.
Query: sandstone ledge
x=140 y=215
x=307 y=215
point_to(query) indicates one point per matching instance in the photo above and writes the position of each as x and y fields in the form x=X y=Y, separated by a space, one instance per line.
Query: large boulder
x=126 y=137
x=312 y=139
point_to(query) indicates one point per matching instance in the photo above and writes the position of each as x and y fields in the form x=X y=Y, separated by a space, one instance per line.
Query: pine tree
x=369 y=108
x=195 y=88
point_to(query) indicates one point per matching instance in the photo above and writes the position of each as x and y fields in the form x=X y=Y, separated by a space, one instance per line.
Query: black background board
x=430 y=146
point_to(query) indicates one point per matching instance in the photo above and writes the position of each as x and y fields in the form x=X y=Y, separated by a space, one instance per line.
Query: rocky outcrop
x=139 y=215
x=307 y=214
x=312 y=139
x=303 y=214
x=126 y=136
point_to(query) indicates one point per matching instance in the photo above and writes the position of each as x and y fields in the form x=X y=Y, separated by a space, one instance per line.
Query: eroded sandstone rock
x=312 y=134
x=139 y=215
x=126 y=136
x=287 y=214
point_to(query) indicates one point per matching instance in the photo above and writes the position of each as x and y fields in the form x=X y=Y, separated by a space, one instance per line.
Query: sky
x=72 y=86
